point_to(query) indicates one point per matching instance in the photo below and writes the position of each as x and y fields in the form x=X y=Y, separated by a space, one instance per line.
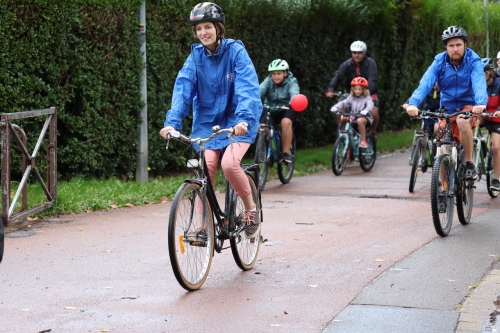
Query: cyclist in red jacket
x=493 y=124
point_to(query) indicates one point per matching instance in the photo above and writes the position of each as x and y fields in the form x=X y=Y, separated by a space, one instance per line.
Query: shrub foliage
x=82 y=56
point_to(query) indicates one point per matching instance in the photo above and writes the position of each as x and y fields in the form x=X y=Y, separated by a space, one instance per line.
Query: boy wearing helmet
x=358 y=65
x=277 y=89
x=459 y=74
x=220 y=82
x=493 y=123
x=361 y=104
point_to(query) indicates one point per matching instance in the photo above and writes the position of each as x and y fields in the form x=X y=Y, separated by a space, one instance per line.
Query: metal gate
x=49 y=186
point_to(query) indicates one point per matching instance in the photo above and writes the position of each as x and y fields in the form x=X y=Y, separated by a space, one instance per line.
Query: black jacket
x=349 y=69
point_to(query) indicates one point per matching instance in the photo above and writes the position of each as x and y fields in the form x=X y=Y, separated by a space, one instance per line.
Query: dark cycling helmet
x=454 y=32
x=487 y=64
x=359 y=81
x=206 y=12
x=278 y=65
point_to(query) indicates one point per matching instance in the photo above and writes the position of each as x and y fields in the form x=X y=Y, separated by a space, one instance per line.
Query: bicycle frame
x=348 y=133
x=206 y=187
x=274 y=139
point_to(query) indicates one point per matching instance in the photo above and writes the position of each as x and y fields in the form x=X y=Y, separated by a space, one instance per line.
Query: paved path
x=332 y=242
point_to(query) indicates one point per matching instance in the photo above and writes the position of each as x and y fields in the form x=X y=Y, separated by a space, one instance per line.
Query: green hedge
x=82 y=56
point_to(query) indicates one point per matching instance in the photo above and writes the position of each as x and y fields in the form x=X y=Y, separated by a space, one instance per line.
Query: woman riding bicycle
x=277 y=89
x=493 y=124
x=220 y=81
x=360 y=103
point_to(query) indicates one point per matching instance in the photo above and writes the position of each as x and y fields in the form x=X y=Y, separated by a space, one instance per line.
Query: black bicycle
x=268 y=149
x=422 y=151
x=483 y=157
x=194 y=235
x=448 y=177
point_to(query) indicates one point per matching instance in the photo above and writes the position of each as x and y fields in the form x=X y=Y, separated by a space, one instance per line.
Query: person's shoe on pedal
x=363 y=144
x=495 y=185
x=470 y=171
x=252 y=225
x=286 y=158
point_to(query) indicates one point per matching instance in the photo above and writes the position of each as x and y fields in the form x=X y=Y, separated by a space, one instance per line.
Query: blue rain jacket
x=461 y=86
x=223 y=89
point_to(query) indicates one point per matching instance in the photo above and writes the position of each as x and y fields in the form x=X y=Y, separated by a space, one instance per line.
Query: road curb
x=477 y=308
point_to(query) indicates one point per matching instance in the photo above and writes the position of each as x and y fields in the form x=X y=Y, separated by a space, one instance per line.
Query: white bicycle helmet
x=278 y=65
x=358 y=46
x=498 y=55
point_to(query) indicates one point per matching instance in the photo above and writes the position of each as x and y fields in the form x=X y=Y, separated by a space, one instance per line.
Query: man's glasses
x=353 y=52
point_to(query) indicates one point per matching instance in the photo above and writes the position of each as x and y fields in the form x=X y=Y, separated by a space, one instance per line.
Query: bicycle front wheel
x=190 y=236
x=415 y=162
x=368 y=155
x=339 y=156
x=442 y=195
x=245 y=249
x=261 y=157
x=285 y=170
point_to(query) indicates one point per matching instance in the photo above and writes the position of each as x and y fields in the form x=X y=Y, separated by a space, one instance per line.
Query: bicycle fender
x=193 y=181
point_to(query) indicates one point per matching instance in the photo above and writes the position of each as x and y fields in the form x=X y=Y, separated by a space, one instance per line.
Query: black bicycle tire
x=371 y=144
x=240 y=244
x=441 y=230
x=262 y=143
x=339 y=162
x=465 y=200
x=489 y=175
x=415 y=162
x=286 y=176
x=175 y=248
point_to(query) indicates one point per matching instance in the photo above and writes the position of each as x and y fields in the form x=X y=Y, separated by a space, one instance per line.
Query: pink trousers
x=232 y=170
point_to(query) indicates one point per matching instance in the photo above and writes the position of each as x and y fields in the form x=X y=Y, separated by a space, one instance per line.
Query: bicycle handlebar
x=216 y=131
x=276 y=108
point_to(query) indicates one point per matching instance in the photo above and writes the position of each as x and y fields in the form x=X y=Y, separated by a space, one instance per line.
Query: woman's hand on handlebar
x=240 y=129
x=329 y=94
x=412 y=110
x=164 y=131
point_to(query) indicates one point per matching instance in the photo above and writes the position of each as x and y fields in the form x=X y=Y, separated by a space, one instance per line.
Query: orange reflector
x=181 y=244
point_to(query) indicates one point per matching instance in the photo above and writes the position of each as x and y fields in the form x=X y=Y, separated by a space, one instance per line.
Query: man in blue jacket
x=460 y=77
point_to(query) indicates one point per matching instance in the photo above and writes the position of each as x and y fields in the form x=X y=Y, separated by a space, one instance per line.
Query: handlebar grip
x=173 y=134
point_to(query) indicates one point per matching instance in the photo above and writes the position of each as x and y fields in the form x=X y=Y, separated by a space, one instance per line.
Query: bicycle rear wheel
x=415 y=162
x=442 y=195
x=285 y=171
x=261 y=157
x=339 y=156
x=190 y=236
x=368 y=155
x=244 y=249
x=465 y=199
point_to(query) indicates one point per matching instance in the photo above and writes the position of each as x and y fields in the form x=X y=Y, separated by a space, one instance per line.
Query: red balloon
x=299 y=102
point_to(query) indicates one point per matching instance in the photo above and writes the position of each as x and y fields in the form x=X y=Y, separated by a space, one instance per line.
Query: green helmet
x=278 y=65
